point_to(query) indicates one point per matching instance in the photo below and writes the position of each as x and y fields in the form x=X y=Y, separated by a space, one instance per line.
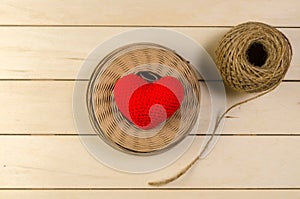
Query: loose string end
x=185 y=169
x=175 y=177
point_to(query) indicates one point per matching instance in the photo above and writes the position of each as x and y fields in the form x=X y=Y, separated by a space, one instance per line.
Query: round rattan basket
x=114 y=128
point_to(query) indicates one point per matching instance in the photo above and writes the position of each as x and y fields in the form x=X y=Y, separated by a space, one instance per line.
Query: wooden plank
x=176 y=194
x=58 y=53
x=162 y=13
x=45 y=107
x=36 y=107
x=235 y=162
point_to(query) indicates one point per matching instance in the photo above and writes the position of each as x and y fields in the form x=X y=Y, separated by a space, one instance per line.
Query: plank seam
x=198 y=134
x=74 y=80
x=125 y=26
x=150 y=189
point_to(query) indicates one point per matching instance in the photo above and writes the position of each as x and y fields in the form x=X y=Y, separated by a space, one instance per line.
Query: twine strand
x=241 y=72
x=193 y=162
x=253 y=57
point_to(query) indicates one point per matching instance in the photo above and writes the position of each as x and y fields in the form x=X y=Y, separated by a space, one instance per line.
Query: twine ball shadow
x=253 y=57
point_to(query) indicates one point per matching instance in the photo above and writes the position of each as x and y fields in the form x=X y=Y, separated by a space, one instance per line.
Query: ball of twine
x=114 y=128
x=253 y=57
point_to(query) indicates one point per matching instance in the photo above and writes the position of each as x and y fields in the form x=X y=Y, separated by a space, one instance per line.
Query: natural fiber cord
x=251 y=57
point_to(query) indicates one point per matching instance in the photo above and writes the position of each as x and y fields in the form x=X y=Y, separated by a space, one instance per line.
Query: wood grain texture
x=58 y=53
x=258 y=157
x=235 y=162
x=150 y=194
x=45 y=107
x=156 y=12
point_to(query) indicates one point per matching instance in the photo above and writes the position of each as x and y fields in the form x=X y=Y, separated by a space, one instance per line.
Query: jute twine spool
x=113 y=127
x=252 y=57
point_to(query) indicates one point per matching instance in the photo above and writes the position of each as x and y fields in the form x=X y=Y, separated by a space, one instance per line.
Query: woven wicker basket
x=113 y=127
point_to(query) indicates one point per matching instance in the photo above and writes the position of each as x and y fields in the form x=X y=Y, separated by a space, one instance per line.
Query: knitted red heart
x=148 y=104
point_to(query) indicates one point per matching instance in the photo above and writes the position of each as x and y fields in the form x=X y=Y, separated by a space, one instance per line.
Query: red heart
x=148 y=104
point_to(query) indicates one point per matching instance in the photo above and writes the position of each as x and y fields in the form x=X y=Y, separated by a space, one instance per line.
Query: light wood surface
x=58 y=53
x=141 y=13
x=42 y=47
x=236 y=162
x=147 y=194
x=45 y=107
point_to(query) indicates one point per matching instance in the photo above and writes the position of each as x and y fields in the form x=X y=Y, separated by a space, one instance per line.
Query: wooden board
x=45 y=107
x=148 y=13
x=235 y=162
x=42 y=47
x=149 y=194
x=58 y=53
